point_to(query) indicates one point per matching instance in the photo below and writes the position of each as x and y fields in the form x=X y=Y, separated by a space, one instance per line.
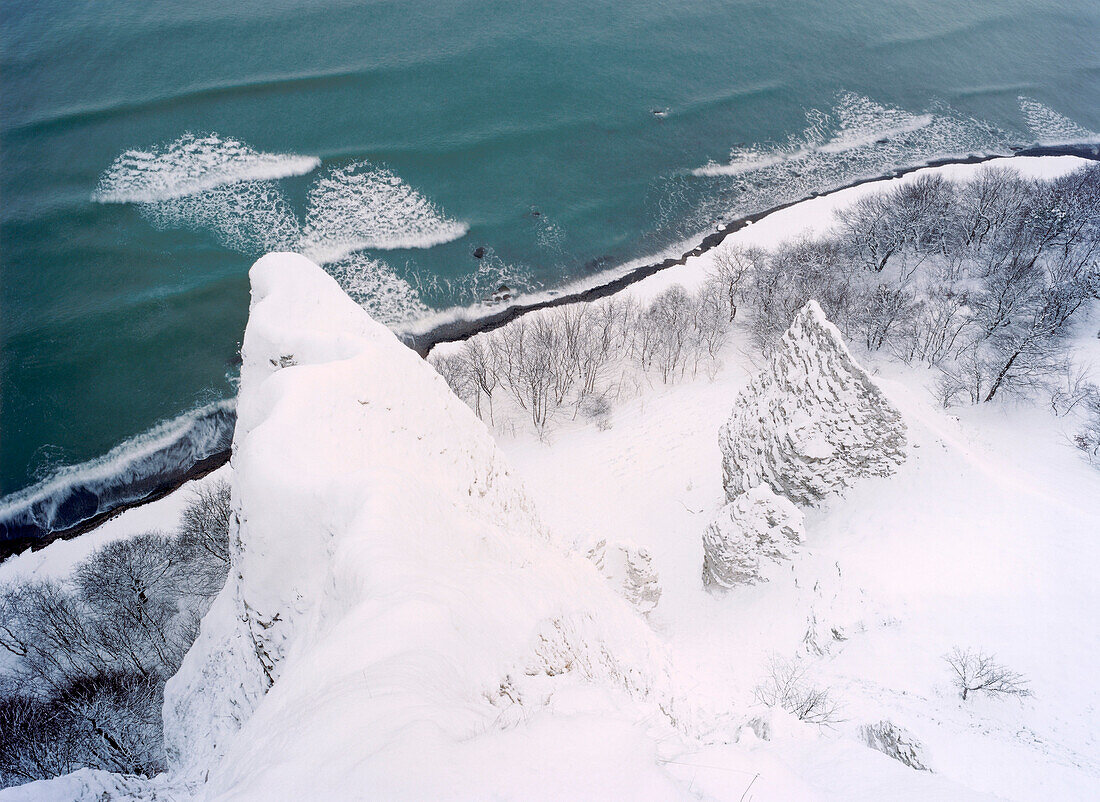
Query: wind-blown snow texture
x=392 y=588
x=812 y=422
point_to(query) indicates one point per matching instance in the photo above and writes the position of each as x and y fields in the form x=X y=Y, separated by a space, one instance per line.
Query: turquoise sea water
x=393 y=139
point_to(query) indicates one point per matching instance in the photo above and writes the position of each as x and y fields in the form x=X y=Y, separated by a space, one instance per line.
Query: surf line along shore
x=21 y=529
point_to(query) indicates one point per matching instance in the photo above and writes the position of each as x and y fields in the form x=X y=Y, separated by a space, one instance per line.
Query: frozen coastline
x=154 y=464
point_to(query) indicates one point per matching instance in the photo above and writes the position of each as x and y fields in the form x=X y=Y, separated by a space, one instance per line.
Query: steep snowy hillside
x=397 y=623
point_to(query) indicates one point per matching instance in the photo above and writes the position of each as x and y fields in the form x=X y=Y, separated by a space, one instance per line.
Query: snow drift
x=397 y=621
x=812 y=421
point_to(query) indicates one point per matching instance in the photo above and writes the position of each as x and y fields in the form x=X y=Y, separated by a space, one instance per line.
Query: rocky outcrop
x=756 y=526
x=899 y=744
x=629 y=570
x=812 y=422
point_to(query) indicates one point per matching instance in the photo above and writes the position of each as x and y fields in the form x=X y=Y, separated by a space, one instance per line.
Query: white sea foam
x=1051 y=128
x=862 y=135
x=250 y=217
x=193 y=163
x=858 y=139
x=74 y=493
x=373 y=285
x=361 y=206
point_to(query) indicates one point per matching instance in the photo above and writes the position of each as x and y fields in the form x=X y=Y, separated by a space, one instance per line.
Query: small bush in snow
x=1088 y=437
x=786 y=686
x=977 y=672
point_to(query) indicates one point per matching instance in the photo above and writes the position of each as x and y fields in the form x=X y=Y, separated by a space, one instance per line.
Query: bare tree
x=786 y=685
x=204 y=523
x=977 y=672
x=479 y=365
x=670 y=316
x=731 y=269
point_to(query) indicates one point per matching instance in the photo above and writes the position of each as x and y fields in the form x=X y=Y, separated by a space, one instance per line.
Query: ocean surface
x=149 y=152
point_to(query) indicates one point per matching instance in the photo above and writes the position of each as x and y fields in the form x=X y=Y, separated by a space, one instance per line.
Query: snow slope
x=424 y=634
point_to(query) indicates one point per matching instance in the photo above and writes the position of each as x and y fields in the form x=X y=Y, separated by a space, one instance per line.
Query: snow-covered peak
x=812 y=421
x=396 y=623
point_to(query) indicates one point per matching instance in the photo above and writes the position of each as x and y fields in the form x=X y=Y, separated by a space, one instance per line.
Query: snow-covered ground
x=434 y=637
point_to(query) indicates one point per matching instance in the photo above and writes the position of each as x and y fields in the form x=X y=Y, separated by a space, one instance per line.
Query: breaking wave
x=1051 y=128
x=361 y=206
x=860 y=136
x=193 y=163
x=129 y=472
x=857 y=139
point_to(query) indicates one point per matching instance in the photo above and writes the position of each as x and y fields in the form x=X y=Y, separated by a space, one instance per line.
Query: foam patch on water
x=477 y=286
x=1052 y=128
x=361 y=206
x=250 y=217
x=193 y=163
x=862 y=135
x=127 y=473
x=857 y=139
x=372 y=284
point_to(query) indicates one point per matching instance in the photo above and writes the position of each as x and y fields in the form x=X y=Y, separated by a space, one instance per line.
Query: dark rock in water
x=479 y=252
x=502 y=293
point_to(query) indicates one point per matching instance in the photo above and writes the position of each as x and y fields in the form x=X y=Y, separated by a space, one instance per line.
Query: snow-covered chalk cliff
x=396 y=621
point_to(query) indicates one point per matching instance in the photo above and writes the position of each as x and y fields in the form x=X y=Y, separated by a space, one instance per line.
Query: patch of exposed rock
x=756 y=526
x=812 y=422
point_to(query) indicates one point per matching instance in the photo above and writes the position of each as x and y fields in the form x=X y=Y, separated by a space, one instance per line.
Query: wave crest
x=129 y=472
x=193 y=163
x=1052 y=128
x=361 y=206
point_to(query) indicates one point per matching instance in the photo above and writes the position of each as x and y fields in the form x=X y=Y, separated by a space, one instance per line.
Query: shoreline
x=461 y=329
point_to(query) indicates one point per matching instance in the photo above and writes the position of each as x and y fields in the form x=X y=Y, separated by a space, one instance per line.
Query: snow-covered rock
x=757 y=525
x=393 y=596
x=892 y=740
x=95 y=785
x=629 y=569
x=812 y=421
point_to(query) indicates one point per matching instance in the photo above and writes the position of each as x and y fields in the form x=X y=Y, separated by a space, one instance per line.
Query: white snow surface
x=412 y=607
x=393 y=581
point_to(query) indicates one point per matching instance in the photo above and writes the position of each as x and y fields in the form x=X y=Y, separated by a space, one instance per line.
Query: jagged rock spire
x=812 y=421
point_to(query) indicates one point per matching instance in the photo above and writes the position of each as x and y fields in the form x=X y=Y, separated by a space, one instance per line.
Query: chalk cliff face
x=812 y=422
x=395 y=615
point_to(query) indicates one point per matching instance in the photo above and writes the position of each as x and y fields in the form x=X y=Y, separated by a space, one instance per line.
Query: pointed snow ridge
x=392 y=594
x=812 y=422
